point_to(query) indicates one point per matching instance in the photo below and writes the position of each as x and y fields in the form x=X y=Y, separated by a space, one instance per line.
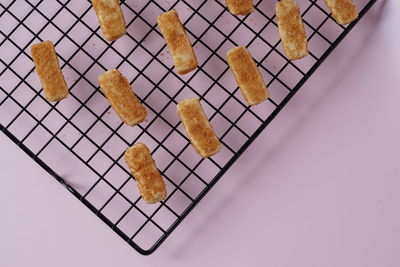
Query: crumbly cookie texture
x=198 y=128
x=49 y=71
x=111 y=18
x=143 y=167
x=247 y=75
x=177 y=41
x=122 y=99
x=291 y=29
x=343 y=11
x=240 y=7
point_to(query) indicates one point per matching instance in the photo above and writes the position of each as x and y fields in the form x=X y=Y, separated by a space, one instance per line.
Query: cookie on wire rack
x=111 y=18
x=143 y=167
x=343 y=11
x=240 y=7
x=198 y=128
x=48 y=69
x=177 y=41
x=247 y=75
x=123 y=100
x=291 y=29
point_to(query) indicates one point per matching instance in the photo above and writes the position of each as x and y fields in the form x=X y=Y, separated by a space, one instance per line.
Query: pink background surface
x=319 y=187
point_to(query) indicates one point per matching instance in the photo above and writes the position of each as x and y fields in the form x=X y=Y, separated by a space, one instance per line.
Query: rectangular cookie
x=122 y=99
x=177 y=41
x=198 y=128
x=111 y=18
x=247 y=75
x=291 y=29
x=48 y=69
x=240 y=7
x=343 y=11
x=143 y=168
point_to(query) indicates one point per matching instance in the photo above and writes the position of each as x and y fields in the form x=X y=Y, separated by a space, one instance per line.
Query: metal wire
x=230 y=114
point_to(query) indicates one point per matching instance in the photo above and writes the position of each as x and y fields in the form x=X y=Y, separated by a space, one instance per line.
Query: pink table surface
x=319 y=187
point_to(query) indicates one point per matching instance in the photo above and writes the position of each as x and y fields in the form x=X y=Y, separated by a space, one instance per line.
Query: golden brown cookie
x=177 y=41
x=143 y=167
x=49 y=72
x=291 y=29
x=111 y=18
x=122 y=99
x=198 y=128
x=343 y=11
x=240 y=7
x=247 y=75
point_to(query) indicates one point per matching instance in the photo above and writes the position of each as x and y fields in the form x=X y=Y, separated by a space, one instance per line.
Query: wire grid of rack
x=80 y=142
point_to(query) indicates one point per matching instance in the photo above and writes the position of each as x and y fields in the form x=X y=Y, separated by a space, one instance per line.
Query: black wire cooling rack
x=80 y=141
